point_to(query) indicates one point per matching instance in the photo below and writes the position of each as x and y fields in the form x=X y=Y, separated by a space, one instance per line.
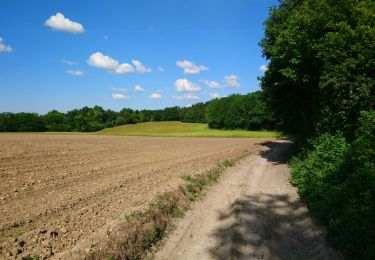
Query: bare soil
x=59 y=194
x=253 y=213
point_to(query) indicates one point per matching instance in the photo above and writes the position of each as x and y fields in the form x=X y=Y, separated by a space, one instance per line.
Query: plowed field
x=59 y=190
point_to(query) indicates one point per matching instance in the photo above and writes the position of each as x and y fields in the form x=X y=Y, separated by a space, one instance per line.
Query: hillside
x=180 y=129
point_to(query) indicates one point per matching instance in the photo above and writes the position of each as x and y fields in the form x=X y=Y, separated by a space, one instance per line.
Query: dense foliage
x=337 y=180
x=320 y=85
x=93 y=119
x=240 y=112
x=237 y=111
x=322 y=64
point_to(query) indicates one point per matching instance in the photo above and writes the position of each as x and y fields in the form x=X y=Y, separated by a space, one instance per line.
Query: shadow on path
x=269 y=222
x=265 y=226
x=277 y=152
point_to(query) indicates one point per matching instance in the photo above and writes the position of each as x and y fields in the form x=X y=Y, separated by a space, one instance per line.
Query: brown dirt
x=253 y=213
x=59 y=194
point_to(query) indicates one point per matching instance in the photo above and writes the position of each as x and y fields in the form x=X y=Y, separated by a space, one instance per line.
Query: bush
x=315 y=172
x=337 y=181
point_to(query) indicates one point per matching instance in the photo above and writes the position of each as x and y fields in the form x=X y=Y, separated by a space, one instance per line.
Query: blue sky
x=69 y=54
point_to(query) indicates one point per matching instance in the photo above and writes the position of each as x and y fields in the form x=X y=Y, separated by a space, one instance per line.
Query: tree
x=320 y=84
x=240 y=112
x=194 y=114
x=56 y=121
x=322 y=65
x=126 y=116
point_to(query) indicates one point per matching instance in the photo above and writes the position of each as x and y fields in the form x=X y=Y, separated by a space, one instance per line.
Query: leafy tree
x=171 y=114
x=320 y=85
x=240 y=111
x=126 y=116
x=194 y=114
x=21 y=122
x=56 y=121
x=322 y=64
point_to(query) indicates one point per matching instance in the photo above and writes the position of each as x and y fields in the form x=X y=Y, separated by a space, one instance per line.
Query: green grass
x=171 y=129
x=179 y=129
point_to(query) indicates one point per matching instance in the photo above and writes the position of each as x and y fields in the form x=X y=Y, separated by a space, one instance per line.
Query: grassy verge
x=141 y=231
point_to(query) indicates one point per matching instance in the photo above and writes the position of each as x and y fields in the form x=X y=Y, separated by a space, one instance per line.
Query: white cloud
x=214 y=95
x=3 y=47
x=186 y=85
x=69 y=62
x=119 y=89
x=139 y=67
x=124 y=68
x=60 y=23
x=75 y=72
x=138 y=88
x=120 y=96
x=187 y=96
x=102 y=61
x=155 y=95
x=188 y=105
x=263 y=68
x=160 y=68
x=211 y=84
x=232 y=81
x=190 y=67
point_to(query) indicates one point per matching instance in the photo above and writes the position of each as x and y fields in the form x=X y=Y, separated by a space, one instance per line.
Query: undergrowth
x=141 y=230
x=336 y=179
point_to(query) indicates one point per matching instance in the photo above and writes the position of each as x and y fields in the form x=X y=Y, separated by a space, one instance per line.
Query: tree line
x=236 y=111
x=320 y=87
x=94 y=119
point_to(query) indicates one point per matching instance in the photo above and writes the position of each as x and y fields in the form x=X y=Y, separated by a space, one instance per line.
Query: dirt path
x=253 y=213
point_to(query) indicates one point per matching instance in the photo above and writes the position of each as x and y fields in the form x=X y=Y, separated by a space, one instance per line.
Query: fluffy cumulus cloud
x=124 y=68
x=138 y=88
x=190 y=67
x=211 y=84
x=232 y=81
x=4 y=47
x=263 y=68
x=102 y=61
x=155 y=95
x=75 y=72
x=119 y=96
x=139 y=67
x=186 y=97
x=214 y=95
x=60 y=23
x=186 y=85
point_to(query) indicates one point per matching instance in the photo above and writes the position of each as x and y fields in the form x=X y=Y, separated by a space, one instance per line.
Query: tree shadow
x=265 y=226
x=277 y=152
